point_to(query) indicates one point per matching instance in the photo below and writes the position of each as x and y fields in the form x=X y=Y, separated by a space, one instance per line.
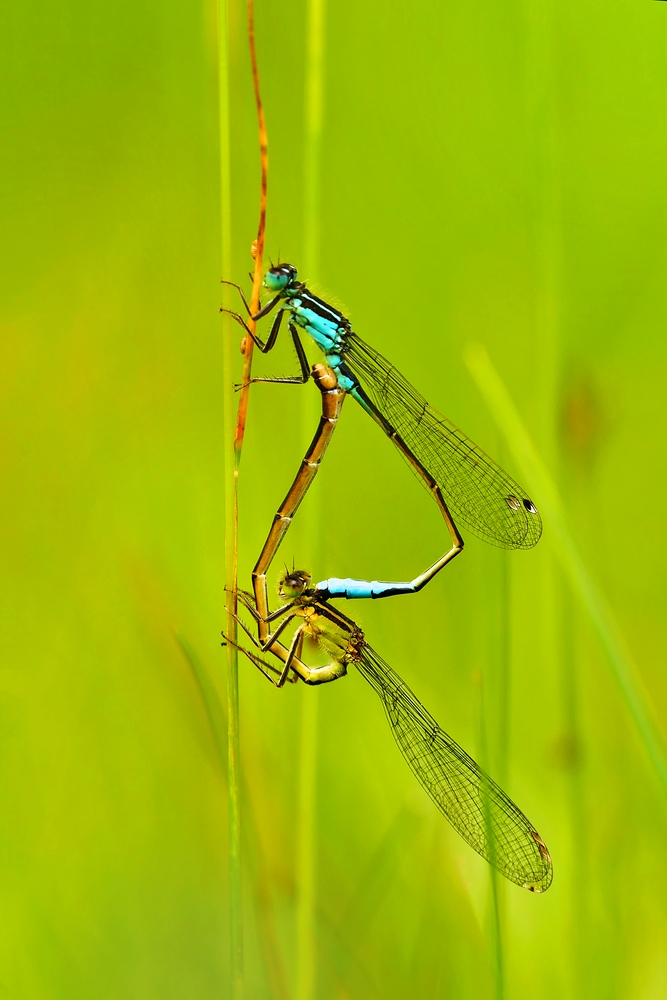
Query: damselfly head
x=279 y=277
x=293 y=584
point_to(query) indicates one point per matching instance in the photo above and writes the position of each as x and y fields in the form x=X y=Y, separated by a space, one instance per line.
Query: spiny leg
x=293 y=653
x=291 y=656
x=249 y=603
x=265 y=668
x=262 y=346
x=292 y=661
x=311 y=675
x=271 y=640
x=301 y=354
x=265 y=310
x=238 y=288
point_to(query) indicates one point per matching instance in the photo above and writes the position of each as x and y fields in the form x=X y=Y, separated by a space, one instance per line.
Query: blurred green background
x=491 y=175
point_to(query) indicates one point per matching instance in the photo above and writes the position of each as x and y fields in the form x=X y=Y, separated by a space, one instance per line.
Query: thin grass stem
x=257 y=249
x=306 y=937
x=313 y=120
x=497 y=938
x=495 y=921
x=504 y=661
x=234 y=843
x=234 y=435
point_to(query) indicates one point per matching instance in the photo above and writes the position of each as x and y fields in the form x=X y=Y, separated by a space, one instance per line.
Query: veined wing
x=473 y=803
x=478 y=492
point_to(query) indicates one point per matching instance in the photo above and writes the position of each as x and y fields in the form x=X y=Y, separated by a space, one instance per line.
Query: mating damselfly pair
x=467 y=487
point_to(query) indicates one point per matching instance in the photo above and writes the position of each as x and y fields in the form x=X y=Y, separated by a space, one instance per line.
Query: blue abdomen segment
x=324 y=339
x=351 y=590
x=326 y=333
x=344 y=381
x=361 y=399
x=330 y=338
x=328 y=328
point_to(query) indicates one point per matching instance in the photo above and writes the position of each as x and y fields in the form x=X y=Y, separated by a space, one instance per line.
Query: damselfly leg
x=291 y=655
x=265 y=346
x=232 y=284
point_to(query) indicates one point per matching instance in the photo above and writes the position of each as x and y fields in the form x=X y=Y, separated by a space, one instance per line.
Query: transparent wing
x=478 y=492
x=476 y=807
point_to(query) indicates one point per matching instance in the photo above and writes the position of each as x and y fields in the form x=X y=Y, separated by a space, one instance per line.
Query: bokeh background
x=490 y=175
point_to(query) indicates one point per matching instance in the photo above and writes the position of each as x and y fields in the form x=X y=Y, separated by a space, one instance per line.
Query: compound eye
x=530 y=506
x=513 y=503
x=276 y=279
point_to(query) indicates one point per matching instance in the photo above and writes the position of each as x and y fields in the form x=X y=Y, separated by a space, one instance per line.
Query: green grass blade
x=306 y=937
x=600 y=614
x=231 y=536
x=210 y=697
x=494 y=918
